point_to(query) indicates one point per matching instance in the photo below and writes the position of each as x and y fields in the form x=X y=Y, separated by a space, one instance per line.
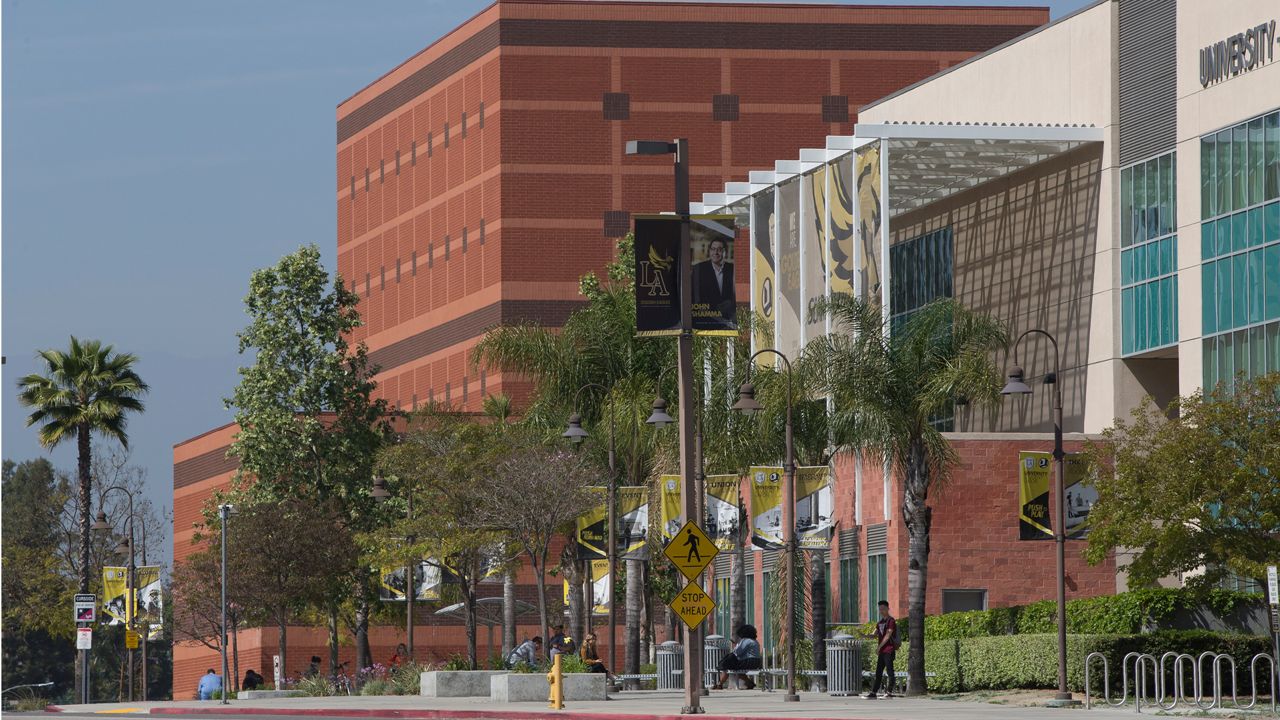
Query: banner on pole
x=658 y=268
x=150 y=602
x=599 y=588
x=815 y=507
x=763 y=281
x=633 y=522
x=426 y=578
x=723 y=506
x=1035 y=482
x=867 y=177
x=593 y=528
x=813 y=252
x=115 y=610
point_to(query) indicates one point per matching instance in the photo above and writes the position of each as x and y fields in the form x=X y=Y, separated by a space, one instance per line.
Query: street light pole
x=684 y=354
x=225 y=511
x=1018 y=386
x=576 y=434
x=748 y=404
x=130 y=602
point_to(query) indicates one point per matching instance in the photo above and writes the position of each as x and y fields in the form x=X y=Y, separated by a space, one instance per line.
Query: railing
x=1168 y=689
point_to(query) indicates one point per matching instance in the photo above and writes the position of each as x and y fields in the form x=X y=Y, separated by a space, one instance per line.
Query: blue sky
x=154 y=154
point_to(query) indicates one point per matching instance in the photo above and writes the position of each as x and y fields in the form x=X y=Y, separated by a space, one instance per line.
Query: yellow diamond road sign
x=693 y=605
x=690 y=550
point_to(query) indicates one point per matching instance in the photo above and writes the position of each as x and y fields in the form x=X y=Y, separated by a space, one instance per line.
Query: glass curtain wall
x=1148 y=255
x=1240 y=250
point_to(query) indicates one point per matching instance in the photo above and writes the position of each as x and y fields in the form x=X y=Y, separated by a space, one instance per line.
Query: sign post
x=691 y=551
x=1273 y=612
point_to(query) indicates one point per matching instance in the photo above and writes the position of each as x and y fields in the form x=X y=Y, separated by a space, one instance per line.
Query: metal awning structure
x=926 y=162
x=929 y=162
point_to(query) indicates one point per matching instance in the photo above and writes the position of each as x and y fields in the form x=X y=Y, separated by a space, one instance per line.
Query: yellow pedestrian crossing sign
x=692 y=605
x=690 y=550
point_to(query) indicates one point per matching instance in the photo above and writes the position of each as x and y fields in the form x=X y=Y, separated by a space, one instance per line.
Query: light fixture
x=575 y=433
x=747 y=403
x=101 y=525
x=379 y=491
x=1016 y=384
x=659 y=418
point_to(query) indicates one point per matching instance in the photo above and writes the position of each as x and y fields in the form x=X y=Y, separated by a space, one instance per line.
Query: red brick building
x=479 y=179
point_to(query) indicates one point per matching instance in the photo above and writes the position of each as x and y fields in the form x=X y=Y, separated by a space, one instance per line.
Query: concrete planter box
x=267 y=694
x=533 y=687
x=457 y=683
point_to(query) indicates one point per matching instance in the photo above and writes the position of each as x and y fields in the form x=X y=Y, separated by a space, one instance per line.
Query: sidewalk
x=646 y=705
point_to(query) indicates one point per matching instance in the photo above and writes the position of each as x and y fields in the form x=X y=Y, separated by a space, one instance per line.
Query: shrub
x=573 y=664
x=406 y=678
x=456 y=661
x=1132 y=612
x=314 y=686
x=377 y=686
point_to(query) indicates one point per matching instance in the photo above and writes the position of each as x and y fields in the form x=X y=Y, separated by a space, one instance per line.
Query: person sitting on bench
x=744 y=656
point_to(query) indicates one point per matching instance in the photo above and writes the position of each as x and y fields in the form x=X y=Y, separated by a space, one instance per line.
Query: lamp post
x=1017 y=386
x=748 y=404
x=679 y=148
x=576 y=434
x=130 y=603
x=225 y=511
x=381 y=494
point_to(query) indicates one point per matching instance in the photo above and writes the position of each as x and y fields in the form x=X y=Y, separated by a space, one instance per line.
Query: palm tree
x=890 y=389
x=87 y=389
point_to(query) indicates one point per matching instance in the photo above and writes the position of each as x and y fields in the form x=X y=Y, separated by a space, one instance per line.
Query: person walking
x=887 y=643
x=744 y=656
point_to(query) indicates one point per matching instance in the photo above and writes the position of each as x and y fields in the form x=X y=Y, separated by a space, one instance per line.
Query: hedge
x=1031 y=661
x=1128 y=613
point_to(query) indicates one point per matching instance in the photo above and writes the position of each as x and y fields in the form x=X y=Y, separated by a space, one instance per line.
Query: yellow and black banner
x=790 y=328
x=599 y=587
x=839 y=206
x=723 y=509
x=813 y=198
x=763 y=281
x=658 y=268
x=426 y=580
x=1035 y=482
x=115 y=602
x=867 y=174
x=815 y=507
x=633 y=525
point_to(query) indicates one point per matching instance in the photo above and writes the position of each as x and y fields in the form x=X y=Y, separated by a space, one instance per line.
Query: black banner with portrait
x=657 y=252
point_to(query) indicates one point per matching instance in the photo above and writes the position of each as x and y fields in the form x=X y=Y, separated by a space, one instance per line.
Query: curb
x=426 y=714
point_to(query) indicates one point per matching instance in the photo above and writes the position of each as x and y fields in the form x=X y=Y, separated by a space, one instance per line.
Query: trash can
x=670 y=659
x=713 y=651
x=844 y=665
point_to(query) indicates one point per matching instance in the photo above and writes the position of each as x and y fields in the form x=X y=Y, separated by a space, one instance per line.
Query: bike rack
x=1206 y=689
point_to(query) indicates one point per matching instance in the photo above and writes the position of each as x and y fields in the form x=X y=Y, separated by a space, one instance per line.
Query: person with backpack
x=887 y=643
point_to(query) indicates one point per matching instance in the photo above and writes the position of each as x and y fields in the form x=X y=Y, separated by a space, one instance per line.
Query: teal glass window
x=877 y=581
x=921 y=271
x=1240 y=250
x=1272 y=155
x=1257 y=161
x=1148 y=256
x=1208 y=198
x=1271 y=281
x=849 y=590
x=722 y=607
x=750 y=609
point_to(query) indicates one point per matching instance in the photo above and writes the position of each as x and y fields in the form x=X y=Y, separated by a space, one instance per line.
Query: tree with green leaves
x=888 y=391
x=1192 y=489
x=88 y=389
x=445 y=461
x=37 y=624
x=309 y=426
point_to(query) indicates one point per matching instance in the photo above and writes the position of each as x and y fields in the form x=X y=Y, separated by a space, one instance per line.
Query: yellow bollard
x=556 y=680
